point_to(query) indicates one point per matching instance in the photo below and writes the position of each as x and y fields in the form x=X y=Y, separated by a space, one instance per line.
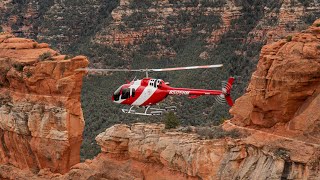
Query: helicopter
x=147 y=92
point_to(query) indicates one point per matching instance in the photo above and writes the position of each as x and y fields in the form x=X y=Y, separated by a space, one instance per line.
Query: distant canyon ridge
x=151 y=27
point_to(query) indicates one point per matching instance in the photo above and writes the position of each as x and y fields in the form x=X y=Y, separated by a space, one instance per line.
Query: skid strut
x=153 y=111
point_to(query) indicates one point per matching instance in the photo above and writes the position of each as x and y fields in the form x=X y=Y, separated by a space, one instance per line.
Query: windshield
x=116 y=94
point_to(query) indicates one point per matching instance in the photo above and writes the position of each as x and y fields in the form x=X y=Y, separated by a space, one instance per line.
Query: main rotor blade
x=188 y=68
x=150 y=70
x=108 y=70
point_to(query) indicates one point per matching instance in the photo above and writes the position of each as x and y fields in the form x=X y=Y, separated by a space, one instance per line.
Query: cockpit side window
x=116 y=94
x=125 y=93
x=133 y=92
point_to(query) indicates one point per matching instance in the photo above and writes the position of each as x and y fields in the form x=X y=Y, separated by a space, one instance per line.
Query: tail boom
x=193 y=92
x=221 y=95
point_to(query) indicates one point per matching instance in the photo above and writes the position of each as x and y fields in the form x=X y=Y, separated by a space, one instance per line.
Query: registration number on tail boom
x=178 y=92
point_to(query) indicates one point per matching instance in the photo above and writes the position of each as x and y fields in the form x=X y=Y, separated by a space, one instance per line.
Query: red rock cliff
x=41 y=120
x=278 y=119
x=285 y=87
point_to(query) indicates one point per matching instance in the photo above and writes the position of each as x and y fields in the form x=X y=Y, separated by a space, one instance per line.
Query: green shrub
x=140 y=4
x=171 y=120
x=305 y=3
x=15 y=27
x=187 y=129
x=213 y=3
x=317 y=25
x=282 y=153
x=216 y=132
x=45 y=56
x=67 y=57
x=18 y=67
x=289 y=38
x=148 y=47
x=192 y=3
x=28 y=74
x=309 y=18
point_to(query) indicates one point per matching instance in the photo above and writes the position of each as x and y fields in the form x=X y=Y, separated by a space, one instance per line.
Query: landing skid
x=150 y=111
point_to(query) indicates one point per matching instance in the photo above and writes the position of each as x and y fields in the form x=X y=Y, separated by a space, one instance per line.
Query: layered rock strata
x=285 y=86
x=283 y=18
x=148 y=151
x=41 y=121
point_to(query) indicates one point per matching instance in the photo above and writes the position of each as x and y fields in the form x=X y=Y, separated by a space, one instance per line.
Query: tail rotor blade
x=220 y=99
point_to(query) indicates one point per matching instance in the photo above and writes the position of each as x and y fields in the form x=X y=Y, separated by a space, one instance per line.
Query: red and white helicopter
x=148 y=91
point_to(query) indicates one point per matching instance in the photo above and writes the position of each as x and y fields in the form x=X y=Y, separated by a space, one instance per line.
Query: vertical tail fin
x=227 y=90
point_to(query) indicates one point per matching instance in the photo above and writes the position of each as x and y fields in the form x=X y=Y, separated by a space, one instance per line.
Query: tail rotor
x=226 y=90
x=220 y=99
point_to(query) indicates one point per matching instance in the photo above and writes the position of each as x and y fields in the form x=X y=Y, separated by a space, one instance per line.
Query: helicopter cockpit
x=123 y=93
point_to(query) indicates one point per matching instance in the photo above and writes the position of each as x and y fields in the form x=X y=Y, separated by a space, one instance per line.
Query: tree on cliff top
x=171 y=120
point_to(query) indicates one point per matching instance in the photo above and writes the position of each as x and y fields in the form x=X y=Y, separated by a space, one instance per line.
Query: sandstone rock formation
x=278 y=119
x=257 y=155
x=41 y=120
x=285 y=86
x=148 y=151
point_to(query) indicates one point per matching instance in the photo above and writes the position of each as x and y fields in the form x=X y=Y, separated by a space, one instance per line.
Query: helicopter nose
x=113 y=100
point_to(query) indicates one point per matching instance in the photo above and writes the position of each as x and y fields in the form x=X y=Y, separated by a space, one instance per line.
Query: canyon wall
x=285 y=87
x=63 y=24
x=135 y=26
x=41 y=120
x=274 y=132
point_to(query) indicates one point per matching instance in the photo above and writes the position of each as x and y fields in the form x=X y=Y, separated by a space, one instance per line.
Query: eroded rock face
x=148 y=151
x=285 y=85
x=177 y=151
x=41 y=120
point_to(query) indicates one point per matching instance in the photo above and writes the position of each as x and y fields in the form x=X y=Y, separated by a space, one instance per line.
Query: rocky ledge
x=148 y=151
x=41 y=120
